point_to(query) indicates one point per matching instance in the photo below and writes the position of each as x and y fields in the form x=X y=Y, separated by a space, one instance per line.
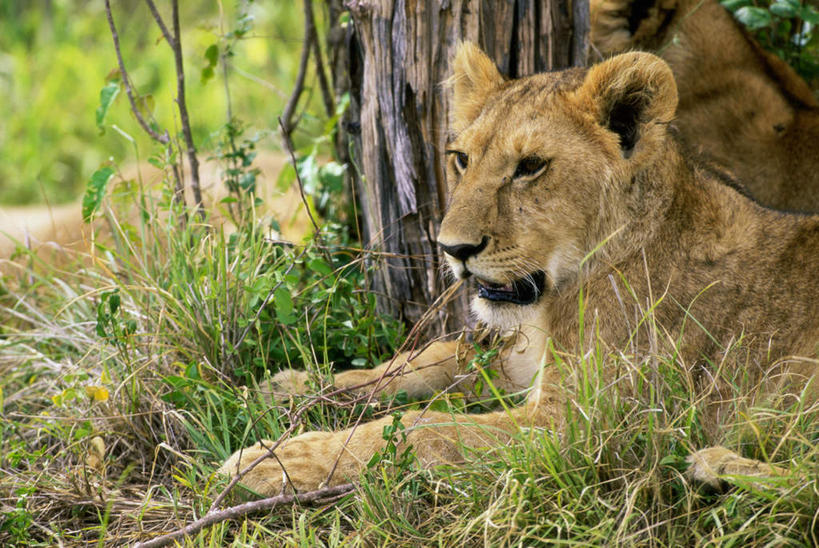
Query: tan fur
x=742 y=107
x=605 y=210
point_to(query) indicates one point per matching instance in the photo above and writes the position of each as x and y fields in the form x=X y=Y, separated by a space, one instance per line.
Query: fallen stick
x=244 y=509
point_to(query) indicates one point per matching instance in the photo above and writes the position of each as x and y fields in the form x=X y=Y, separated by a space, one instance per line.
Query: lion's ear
x=474 y=78
x=630 y=94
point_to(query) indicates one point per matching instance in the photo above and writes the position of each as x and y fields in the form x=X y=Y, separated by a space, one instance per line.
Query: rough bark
x=398 y=53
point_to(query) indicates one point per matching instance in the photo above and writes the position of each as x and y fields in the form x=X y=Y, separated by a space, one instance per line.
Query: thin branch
x=298 y=87
x=164 y=139
x=179 y=192
x=175 y=42
x=326 y=94
x=193 y=161
x=161 y=24
x=244 y=509
x=240 y=473
x=288 y=144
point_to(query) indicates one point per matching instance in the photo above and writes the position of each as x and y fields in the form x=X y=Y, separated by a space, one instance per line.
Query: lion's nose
x=464 y=251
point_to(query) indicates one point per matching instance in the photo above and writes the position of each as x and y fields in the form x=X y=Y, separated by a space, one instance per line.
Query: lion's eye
x=461 y=159
x=529 y=167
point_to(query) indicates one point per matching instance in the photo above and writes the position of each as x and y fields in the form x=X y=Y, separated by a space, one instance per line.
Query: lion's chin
x=500 y=315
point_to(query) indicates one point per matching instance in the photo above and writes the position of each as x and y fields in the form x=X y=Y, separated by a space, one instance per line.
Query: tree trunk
x=399 y=53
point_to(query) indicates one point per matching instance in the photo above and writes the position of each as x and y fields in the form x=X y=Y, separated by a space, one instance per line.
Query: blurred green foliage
x=789 y=28
x=55 y=57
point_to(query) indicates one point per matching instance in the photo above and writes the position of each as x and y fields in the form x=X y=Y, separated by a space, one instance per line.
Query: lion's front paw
x=301 y=464
x=714 y=464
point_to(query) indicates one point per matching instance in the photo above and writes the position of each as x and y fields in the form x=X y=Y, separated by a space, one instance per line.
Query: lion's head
x=545 y=168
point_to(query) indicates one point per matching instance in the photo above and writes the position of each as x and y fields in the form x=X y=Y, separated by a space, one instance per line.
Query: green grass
x=159 y=328
x=128 y=375
x=145 y=346
x=53 y=64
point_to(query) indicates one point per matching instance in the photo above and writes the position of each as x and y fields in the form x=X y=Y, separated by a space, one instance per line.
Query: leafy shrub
x=789 y=28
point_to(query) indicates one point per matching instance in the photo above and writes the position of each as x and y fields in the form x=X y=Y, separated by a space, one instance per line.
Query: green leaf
x=107 y=95
x=785 y=8
x=207 y=74
x=113 y=302
x=212 y=54
x=753 y=18
x=274 y=224
x=146 y=104
x=95 y=191
x=375 y=459
x=82 y=429
x=331 y=175
x=809 y=15
x=192 y=371
x=129 y=327
x=283 y=303
x=309 y=173
x=439 y=405
x=319 y=266
x=286 y=177
x=100 y=327
x=734 y=5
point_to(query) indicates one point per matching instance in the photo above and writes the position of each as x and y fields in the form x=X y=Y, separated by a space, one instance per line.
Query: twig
x=288 y=144
x=164 y=139
x=161 y=24
x=326 y=95
x=179 y=192
x=233 y=157
x=286 y=119
x=183 y=111
x=240 y=473
x=175 y=42
x=388 y=375
x=244 y=509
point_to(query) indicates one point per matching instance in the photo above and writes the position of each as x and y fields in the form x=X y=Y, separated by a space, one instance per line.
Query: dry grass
x=114 y=419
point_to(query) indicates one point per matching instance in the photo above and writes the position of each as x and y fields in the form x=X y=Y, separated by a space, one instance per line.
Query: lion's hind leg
x=715 y=465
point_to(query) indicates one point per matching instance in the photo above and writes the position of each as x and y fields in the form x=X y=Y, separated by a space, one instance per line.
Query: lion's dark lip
x=523 y=291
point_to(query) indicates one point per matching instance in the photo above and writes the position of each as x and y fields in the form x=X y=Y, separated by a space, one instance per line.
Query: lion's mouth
x=523 y=291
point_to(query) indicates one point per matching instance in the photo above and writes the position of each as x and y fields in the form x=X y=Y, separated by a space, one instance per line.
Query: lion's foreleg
x=318 y=459
x=419 y=373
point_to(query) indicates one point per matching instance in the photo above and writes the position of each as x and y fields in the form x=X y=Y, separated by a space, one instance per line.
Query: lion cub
x=567 y=183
